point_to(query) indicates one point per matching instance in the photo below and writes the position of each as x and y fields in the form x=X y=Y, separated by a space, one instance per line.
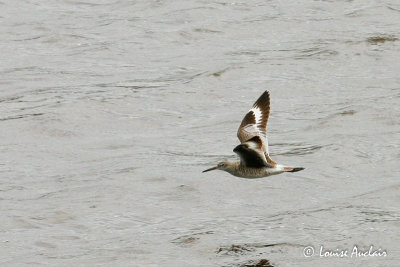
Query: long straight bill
x=211 y=169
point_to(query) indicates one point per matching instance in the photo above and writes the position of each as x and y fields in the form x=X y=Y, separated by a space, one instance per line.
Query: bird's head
x=223 y=166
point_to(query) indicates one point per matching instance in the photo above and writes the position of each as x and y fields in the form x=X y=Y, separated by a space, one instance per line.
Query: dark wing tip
x=263 y=100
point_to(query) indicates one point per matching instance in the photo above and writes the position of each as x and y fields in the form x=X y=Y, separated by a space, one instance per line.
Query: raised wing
x=255 y=124
x=255 y=121
x=251 y=153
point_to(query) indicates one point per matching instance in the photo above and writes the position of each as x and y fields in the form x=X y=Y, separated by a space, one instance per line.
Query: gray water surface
x=110 y=110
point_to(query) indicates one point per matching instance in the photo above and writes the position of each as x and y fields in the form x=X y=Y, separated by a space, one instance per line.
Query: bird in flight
x=255 y=161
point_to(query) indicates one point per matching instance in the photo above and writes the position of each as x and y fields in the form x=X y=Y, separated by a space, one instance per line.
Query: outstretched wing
x=255 y=121
x=251 y=153
x=255 y=124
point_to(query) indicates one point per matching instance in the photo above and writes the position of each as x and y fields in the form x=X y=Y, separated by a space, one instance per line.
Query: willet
x=255 y=161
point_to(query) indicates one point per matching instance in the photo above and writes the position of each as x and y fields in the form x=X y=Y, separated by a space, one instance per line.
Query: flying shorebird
x=255 y=161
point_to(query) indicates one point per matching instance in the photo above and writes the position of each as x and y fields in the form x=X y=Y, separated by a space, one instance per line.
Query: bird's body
x=241 y=170
x=255 y=161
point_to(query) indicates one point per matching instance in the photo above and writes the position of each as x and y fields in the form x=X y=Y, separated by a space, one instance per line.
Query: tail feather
x=296 y=169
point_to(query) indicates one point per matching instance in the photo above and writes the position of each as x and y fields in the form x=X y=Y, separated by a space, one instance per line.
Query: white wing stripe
x=258 y=114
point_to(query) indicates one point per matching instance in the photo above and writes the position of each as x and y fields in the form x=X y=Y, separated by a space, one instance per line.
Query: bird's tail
x=293 y=169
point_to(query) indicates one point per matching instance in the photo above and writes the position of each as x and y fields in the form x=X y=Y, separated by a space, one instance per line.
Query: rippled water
x=110 y=110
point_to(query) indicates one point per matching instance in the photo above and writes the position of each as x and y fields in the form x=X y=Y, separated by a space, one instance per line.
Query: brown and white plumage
x=255 y=161
x=255 y=124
